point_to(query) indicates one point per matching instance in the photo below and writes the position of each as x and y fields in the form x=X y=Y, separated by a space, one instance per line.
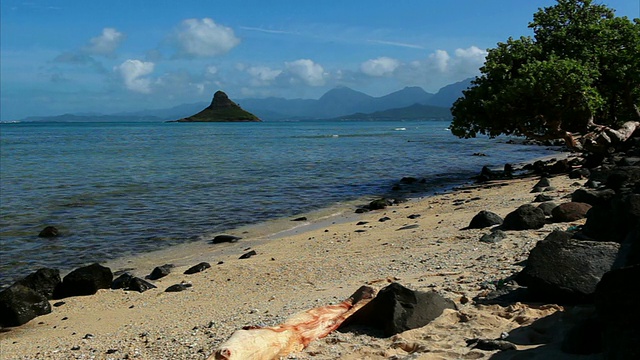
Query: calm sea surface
x=115 y=189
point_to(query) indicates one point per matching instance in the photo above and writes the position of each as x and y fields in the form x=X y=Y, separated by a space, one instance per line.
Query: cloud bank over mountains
x=196 y=56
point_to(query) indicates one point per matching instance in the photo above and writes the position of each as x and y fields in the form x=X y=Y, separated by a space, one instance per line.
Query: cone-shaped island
x=222 y=109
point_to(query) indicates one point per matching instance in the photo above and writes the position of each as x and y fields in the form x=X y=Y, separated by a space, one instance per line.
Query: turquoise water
x=115 y=189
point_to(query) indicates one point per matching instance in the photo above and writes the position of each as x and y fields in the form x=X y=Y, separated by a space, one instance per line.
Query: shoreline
x=298 y=271
x=274 y=229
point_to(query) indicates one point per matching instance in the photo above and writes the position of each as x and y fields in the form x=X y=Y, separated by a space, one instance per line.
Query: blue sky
x=83 y=56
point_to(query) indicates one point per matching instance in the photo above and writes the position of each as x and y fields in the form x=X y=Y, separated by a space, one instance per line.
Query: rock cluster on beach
x=569 y=261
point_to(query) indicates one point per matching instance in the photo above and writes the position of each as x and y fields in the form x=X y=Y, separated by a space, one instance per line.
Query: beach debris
x=397 y=309
x=525 y=217
x=248 y=254
x=49 y=232
x=178 y=287
x=127 y=281
x=197 y=268
x=266 y=343
x=86 y=280
x=224 y=238
x=19 y=304
x=570 y=211
x=484 y=219
x=160 y=272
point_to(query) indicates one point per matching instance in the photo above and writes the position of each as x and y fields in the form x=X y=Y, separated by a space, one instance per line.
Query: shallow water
x=116 y=189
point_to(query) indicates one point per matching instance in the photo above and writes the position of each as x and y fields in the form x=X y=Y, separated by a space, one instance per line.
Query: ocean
x=120 y=189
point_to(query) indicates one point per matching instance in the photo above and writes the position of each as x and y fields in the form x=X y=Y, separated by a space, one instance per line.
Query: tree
x=581 y=66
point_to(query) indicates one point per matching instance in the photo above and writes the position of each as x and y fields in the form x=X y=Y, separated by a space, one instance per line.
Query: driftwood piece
x=294 y=334
x=603 y=137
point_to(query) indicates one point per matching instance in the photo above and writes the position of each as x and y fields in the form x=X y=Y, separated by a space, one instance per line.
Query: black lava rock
x=86 y=280
x=128 y=282
x=43 y=281
x=49 y=232
x=224 y=238
x=525 y=217
x=198 y=268
x=485 y=219
x=19 y=304
x=248 y=254
x=396 y=309
x=160 y=272
x=565 y=270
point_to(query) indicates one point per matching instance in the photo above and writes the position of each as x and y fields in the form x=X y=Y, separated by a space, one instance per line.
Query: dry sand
x=316 y=264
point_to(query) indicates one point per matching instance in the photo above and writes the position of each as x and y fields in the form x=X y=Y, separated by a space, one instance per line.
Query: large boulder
x=43 y=281
x=547 y=207
x=623 y=176
x=86 y=280
x=571 y=211
x=614 y=221
x=525 y=217
x=396 y=309
x=618 y=312
x=593 y=197
x=485 y=219
x=565 y=270
x=19 y=304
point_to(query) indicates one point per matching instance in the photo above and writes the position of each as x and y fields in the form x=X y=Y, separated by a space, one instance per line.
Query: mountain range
x=338 y=103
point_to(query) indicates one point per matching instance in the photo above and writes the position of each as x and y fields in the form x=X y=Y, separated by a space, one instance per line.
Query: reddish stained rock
x=570 y=211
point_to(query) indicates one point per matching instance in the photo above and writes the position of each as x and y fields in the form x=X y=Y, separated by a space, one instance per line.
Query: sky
x=60 y=57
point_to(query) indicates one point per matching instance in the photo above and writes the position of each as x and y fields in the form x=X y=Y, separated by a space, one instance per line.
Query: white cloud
x=440 y=68
x=133 y=73
x=105 y=44
x=440 y=60
x=306 y=70
x=262 y=75
x=382 y=66
x=211 y=70
x=204 y=38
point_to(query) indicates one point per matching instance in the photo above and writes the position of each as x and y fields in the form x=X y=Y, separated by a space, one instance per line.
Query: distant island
x=222 y=109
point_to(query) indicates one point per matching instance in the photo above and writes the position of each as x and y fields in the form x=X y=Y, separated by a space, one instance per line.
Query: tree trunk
x=600 y=137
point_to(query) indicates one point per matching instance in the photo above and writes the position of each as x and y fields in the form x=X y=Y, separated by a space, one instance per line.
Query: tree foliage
x=581 y=67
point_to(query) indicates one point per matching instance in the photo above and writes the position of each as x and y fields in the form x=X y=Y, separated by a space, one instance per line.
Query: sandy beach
x=320 y=262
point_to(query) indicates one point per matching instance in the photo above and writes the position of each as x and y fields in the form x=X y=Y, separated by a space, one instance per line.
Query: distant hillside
x=92 y=118
x=446 y=96
x=338 y=102
x=412 y=112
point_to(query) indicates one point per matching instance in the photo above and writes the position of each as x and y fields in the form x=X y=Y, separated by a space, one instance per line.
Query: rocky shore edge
x=590 y=266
